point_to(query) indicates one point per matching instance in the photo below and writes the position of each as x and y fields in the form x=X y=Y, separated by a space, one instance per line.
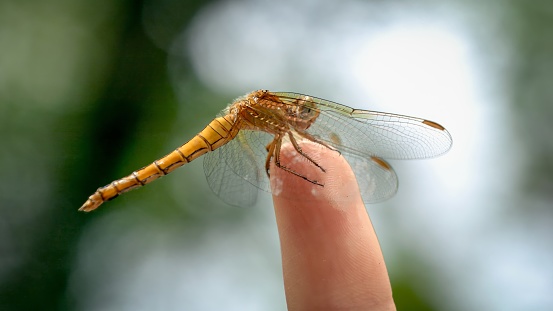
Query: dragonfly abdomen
x=217 y=133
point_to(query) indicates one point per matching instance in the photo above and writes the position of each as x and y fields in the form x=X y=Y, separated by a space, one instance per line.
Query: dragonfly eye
x=306 y=112
x=305 y=108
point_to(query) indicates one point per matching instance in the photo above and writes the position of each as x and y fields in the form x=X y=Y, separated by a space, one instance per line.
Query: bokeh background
x=92 y=90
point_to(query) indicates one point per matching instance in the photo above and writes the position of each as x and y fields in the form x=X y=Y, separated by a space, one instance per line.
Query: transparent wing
x=236 y=170
x=371 y=133
x=376 y=179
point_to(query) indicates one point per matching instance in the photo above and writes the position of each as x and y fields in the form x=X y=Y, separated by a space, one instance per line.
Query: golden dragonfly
x=245 y=138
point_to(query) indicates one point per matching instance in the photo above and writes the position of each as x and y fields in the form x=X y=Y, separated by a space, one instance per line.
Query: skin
x=330 y=253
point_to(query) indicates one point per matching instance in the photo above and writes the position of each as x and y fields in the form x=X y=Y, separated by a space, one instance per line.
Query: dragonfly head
x=302 y=112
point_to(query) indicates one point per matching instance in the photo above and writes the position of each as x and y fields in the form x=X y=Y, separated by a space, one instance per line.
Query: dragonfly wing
x=235 y=171
x=372 y=133
x=377 y=180
x=253 y=146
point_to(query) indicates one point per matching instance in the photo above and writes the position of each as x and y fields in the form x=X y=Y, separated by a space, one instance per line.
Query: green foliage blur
x=84 y=99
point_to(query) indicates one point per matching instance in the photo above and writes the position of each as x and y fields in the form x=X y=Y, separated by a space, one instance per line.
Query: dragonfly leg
x=270 y=151
x=298 y=149
x=275 y=148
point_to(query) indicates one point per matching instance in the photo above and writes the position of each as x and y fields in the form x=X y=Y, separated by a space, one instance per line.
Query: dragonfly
x=242 y=142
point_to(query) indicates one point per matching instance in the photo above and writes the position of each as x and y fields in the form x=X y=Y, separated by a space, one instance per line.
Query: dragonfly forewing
x=372 y=133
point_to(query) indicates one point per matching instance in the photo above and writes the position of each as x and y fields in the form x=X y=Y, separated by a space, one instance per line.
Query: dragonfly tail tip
x=89 y=206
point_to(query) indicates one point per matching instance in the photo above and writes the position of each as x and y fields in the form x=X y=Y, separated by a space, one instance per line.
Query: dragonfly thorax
x=270 y=113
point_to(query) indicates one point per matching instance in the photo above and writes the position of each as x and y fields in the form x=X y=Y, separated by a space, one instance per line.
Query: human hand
x=330 y=253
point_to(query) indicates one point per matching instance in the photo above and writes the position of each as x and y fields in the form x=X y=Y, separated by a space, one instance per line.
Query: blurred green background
x=90 y=91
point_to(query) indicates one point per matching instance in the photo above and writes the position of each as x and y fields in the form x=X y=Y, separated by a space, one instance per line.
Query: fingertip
x=332 y=183
x=330 y=252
